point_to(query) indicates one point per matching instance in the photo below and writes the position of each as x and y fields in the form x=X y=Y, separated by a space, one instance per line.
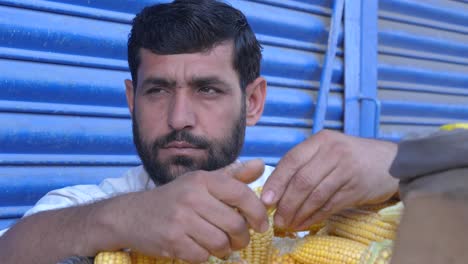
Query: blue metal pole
x=327 y=69
x=362 y=108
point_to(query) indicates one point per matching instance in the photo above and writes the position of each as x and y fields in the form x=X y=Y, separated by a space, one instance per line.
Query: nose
x=181 y=113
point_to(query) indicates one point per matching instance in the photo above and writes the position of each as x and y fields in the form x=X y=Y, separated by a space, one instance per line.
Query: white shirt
x=134 y=180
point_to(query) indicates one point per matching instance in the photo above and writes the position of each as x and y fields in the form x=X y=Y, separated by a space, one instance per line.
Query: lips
x=180 y=145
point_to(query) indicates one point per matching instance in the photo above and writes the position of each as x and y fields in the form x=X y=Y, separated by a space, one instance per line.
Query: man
x=196 y=84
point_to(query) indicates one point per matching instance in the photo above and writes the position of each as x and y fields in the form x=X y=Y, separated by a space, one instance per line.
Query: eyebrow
x=159 y=82
x=195 y=82
x=208 y=81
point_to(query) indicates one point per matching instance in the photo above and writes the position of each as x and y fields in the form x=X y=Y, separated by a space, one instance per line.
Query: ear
x=130 y=95
x=255 y=94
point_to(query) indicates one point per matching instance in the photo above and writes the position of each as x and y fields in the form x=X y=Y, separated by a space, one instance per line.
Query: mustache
x=180 y=135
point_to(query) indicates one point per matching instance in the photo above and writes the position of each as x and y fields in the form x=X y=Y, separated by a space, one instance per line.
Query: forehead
x=217 y=61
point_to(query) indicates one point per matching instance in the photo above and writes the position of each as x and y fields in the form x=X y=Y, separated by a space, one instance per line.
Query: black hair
x=191 y=26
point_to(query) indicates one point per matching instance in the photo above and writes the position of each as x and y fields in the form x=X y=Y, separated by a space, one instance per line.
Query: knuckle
x=285 y=208
x=231 y=169
x=338 y=149
x=319 y=197
x=177 y=217
x=325 y=135
x=302 y=181
x=289 y=158
x=189 y=198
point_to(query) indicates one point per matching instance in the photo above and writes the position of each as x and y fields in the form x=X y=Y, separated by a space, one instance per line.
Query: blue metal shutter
x=422 y=65
x=63 y=110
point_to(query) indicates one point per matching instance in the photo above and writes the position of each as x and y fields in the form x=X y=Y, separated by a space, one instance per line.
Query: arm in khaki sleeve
x=434 y=164
x=433 y=173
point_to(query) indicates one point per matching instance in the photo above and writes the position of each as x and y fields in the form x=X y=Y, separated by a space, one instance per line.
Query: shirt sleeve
x=434 y=164
x=438 y=152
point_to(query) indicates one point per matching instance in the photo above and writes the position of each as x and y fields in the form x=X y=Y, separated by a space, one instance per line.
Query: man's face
x=189 y=112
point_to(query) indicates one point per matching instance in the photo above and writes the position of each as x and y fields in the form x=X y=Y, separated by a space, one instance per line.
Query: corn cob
x=277 y=258
x=117 y=257
x=392 y=214
x=261 y=244
x=378 y=253
x=138 y=258
x=328 y=250
x=313 y=229
x=366 y=226
x=357 y=228
x=230 y=260
x=379 y=206
x=450 y=127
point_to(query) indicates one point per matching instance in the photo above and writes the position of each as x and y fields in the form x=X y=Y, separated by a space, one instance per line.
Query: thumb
x=247 y=171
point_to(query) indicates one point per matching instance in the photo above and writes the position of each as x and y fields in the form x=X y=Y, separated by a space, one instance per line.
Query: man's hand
x=197 y=215
x=326 y=173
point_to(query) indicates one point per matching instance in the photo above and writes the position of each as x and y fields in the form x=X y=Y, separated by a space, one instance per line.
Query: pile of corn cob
x=362 y=235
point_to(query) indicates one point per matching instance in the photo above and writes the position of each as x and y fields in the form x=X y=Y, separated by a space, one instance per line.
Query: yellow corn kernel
x=278 y=258
x=234 y=258
x=378 y=253
x=392 y=214
x=328 y=250
x=178 y=261
x=358 y=230
x=450 y=127
x=362 y=226
x=139 y=258
x=117 y=257
x=261 y=244
x=163 y=261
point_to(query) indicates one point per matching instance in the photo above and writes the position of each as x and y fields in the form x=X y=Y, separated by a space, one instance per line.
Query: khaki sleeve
x=437 y=163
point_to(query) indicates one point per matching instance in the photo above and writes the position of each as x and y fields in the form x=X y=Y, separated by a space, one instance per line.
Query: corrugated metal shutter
x=62 y=107
x=422 y=65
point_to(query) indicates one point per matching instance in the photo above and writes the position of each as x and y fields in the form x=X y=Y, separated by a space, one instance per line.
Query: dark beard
x=220 y=153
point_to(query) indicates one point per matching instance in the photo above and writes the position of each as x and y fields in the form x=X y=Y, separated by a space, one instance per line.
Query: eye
x=155 y=90
x=208 y=90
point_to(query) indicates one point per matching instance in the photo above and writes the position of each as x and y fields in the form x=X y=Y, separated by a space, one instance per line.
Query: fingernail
x=268 y=197
x=279 y=221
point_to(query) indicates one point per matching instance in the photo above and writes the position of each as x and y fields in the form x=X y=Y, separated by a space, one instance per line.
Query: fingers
x=336 y=203
x=302 y=185
x=292 y=162
x=322 y=201
x=217 y=243
x=189 y=250
x=240 y=196
x=226 y=219
x=245 y=172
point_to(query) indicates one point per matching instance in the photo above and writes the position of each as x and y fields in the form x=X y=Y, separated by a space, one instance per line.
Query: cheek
x=151 y=119
x=219 y=120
